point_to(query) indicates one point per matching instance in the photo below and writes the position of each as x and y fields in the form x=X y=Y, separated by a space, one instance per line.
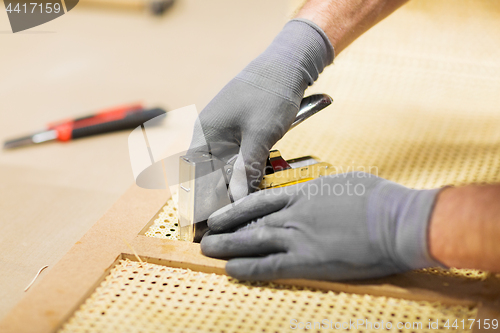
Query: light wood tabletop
x=90 y=59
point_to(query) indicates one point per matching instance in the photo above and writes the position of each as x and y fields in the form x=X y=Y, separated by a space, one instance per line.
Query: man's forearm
x=345 y=20
x=464 y=230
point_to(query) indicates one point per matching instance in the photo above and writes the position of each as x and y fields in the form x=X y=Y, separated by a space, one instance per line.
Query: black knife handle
x=131 y=121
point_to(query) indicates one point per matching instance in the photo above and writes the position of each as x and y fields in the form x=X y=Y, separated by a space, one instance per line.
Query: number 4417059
x=481 y=323
x=35 y=8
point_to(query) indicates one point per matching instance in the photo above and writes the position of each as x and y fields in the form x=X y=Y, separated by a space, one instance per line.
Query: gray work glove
x=346 y=226
x=255 y=109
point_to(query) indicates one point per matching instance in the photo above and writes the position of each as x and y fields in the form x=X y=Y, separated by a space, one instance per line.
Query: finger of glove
x=239 y=184
x=247 y=209
x=248 y=169
x=288 y=266
x=271 y=267
x=277 y=219
x=337 y=271
x=248 y=242
x=198 y=140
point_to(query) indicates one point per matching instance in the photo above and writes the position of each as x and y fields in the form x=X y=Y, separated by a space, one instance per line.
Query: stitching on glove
x=266 y=90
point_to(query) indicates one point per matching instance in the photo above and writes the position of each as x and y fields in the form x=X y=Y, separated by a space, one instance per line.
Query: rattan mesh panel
x=416 y=98
x=143 y=297
x=166 y=225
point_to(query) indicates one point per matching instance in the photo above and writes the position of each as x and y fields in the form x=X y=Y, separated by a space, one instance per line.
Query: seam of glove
x=290 y=90
x=268 y=91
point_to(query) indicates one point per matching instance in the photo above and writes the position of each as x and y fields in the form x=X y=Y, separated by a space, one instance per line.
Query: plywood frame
x=57 y=294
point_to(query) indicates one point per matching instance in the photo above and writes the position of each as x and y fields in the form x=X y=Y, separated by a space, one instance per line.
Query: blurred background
x=92 y=58
x=417 y=97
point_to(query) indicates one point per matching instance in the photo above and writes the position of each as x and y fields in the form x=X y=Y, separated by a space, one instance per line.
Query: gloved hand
x=346 y=226
x=255 y=109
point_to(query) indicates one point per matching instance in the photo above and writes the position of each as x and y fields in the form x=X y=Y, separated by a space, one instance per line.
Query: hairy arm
x=465 y=227
x=345 y=20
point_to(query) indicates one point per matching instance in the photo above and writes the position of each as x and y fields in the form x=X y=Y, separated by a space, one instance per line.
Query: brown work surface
x=90 y=59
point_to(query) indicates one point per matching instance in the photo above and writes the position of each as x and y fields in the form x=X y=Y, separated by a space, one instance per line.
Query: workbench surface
x=90 y=59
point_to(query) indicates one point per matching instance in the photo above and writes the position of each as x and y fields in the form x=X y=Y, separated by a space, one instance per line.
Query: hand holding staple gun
x=255 y=109
x=335 y=227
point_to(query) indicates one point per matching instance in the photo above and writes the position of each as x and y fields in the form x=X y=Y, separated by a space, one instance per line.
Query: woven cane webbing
x=416 y=99
x=143 y=297
x=166 y=225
